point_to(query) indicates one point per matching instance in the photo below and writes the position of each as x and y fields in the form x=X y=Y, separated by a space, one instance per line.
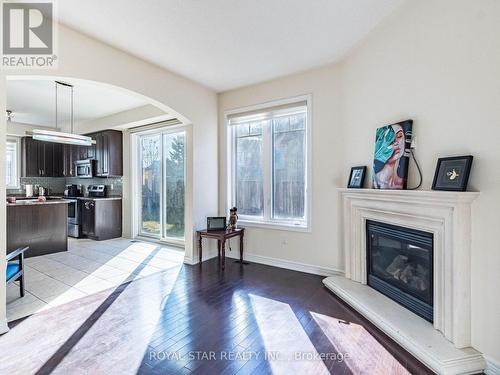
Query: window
x=12 y=168
x=269 y=153
x=162 y=172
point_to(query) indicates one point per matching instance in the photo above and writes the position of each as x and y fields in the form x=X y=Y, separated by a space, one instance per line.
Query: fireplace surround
x=445 y=344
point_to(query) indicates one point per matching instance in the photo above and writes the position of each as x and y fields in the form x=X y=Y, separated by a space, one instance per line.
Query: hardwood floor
x=250 y=319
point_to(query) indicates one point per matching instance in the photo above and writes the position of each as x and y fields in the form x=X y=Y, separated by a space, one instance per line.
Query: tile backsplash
x=115 y=184
x=58 y=184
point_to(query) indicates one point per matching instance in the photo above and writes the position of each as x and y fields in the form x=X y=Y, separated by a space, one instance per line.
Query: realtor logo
x=28 y=35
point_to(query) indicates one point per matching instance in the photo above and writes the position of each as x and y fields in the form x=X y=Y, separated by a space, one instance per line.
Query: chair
x=15 y=270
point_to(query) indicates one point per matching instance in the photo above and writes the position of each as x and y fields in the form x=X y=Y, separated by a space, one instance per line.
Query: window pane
x=174 y=184
x=11 y=178
x=249 y=179
x=151 y=184
x=289 y=167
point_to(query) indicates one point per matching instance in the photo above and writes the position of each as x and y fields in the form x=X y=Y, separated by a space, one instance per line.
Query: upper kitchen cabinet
x=108 y=153
x=67 y=162
x=46 y=159
x=41 y=159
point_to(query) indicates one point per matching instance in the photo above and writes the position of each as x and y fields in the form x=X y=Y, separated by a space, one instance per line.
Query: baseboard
x=287 y=264
x=492 y=366
x=4 y=328
x=207 y=254
x=189 y=260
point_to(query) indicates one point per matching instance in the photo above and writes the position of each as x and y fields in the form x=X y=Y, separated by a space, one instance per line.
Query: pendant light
x=60 y=137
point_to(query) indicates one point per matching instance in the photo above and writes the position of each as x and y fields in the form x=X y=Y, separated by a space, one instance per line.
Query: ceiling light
x=60 y=137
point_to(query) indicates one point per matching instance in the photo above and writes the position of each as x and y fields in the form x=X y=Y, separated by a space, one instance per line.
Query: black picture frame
x=357 y=177
x=452 y=173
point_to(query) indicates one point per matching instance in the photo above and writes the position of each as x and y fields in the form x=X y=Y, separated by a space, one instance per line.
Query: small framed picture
x=452 y=174
x=357 y=177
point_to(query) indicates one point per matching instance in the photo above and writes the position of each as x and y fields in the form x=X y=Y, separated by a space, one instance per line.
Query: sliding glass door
x=162 y=170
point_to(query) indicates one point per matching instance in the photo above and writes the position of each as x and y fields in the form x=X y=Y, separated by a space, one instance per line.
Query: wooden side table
x=221 y=236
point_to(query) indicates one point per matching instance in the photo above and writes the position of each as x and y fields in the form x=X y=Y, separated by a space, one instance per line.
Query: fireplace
x=400 y=265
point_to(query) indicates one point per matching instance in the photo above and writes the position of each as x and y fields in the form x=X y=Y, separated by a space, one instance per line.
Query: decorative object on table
x=233 y=217
x=452 y=173
x=216 y=223
x=357 y=177
x=392 y=156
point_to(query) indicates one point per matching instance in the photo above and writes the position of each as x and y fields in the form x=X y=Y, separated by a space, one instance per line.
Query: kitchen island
x=43 y=226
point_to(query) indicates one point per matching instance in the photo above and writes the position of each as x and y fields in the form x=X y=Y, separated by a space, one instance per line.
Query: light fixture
x=60 y=137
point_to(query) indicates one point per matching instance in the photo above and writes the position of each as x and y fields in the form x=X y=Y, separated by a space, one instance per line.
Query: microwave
x=85 y=168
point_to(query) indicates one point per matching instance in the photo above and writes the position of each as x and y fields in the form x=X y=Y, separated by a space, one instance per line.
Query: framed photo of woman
x=392 y=155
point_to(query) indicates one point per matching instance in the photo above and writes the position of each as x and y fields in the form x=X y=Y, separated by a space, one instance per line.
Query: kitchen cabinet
x=85 y=152
x=40 y=159
x=69 y=155
x=108 y=153
x=42 y=226
x=47 y=155
x=101 y=218
x=47 y=159
x=30 y=164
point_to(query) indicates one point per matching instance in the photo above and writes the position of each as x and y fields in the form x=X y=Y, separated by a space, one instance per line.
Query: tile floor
x=86 y=268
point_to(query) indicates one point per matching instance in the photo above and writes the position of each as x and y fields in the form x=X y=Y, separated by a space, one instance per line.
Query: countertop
x=23 y=201
x=35 y=202
x=99 y=199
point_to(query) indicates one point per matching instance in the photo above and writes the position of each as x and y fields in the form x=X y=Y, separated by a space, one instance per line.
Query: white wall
x=320 y=247
x=437 y=62
x=85 y=58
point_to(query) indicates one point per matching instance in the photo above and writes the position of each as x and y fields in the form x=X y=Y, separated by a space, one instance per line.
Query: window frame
x=266 y=221
x=17 y=141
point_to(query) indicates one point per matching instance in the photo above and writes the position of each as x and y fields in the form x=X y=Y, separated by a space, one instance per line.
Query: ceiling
x=33 y=102
x=225 y=44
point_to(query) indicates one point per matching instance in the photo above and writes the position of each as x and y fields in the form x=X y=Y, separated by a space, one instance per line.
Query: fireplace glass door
x=400 y=266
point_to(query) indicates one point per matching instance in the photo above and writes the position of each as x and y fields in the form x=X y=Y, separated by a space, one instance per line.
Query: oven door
x=73 y=214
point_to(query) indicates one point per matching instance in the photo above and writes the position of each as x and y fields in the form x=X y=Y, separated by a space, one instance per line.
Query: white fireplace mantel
x=447 y=215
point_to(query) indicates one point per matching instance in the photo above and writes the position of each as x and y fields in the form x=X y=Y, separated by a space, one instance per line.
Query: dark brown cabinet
x=69 y=155
x=108 y=153
x=101 y=218
x=42 y=227
x=40 y=159
x=46 y=159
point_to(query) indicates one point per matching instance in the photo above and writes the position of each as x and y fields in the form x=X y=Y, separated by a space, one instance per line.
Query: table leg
x=200 y=245
x=218 y=248
x=223 y=250
x=241 y=248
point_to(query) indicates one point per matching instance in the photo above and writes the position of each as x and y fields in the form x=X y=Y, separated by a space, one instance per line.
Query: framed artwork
x=452 y=174
x=392 y=155
x=357 y=177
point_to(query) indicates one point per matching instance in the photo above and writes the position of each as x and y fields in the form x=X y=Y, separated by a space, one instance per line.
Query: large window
x=269 y=178
x=162 y=166
x=12 y=167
